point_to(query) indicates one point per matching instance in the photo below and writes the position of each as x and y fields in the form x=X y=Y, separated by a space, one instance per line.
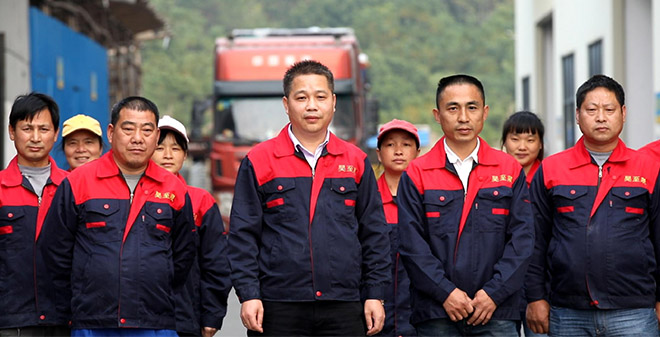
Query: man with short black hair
x=307 y=226
x=27 y=186
x=597 y=208
x=465 y=224
x=120 y=234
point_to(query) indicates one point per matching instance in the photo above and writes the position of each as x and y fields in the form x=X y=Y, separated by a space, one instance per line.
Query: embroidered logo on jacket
x=347 y=168
x=634 y=179
x=503 y=177
x=166 y=195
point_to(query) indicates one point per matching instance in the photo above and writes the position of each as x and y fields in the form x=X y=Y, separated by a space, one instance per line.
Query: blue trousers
x=597 y=322
x=446 y=327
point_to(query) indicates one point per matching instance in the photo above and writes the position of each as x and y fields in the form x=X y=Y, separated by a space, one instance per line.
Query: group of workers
x=464 y=240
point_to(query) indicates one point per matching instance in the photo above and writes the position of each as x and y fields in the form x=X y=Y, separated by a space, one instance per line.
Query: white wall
x=14 y=24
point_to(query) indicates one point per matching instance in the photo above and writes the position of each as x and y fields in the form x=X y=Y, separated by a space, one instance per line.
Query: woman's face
x=81 y=147
x=397 y=150
x=523 y=146
x=169 y=154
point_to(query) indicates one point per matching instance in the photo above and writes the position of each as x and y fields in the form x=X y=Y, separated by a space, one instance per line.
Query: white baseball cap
x=167 y=122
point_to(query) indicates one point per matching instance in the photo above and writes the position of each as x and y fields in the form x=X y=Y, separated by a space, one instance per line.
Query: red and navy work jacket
x=451 y=238
x=652 y=149
x=532 y=171
x=397 y=297
x=202 y=302
x=298 y=235
x=597 y=230
x=115 y=257
x=23 y=285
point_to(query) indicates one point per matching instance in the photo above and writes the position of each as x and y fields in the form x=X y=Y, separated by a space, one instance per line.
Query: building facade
x=561 y=43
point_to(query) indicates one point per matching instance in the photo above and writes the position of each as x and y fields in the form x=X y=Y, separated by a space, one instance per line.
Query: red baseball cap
x=397 y=124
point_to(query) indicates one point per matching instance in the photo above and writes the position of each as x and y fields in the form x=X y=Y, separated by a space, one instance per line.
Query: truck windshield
x=254 y=119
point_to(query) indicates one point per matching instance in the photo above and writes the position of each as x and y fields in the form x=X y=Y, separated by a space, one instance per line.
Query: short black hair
x=25 y=107
x=522 y=122
x=458 y=79
x=307 y=67
x=134 y=103
x=177 y=137
x=599 y=81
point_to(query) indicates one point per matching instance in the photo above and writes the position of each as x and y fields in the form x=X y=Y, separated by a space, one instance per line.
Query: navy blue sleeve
x=654 y=223
x=244 y=233
x=214 y=269
x=535 y=282
x=509 y=271
x=425 y=270
x=56 y=243
x=373 y=235
x=183 y=243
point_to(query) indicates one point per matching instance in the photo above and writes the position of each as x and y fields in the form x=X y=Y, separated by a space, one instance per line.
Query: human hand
x=457 y=305
x=483 y=308
x=538 y=316
x=374 y=314
x=252 y=315
x=208 y=331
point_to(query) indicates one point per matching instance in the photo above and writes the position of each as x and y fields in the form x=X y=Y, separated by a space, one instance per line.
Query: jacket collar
x=437 y=156
x=107 y=167
x=385 y=193
x=580 y=155
x=15 y=178
x=284 y=145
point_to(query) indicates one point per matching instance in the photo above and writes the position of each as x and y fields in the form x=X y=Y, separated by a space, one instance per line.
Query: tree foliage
x=411 y=44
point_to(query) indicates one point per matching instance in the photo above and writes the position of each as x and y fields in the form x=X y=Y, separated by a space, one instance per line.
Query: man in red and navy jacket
x=27 y=187
x=307 y=227
x=465 y=224
x=120 y=233
x=597 y=228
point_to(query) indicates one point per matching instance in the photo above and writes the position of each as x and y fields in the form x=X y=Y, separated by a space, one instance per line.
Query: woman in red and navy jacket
x=398 y=145
x=201 y=304
x=451 y=238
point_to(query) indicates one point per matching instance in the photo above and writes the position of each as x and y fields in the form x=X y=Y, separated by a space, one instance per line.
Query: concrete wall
x=14 y=24
x=630 y=35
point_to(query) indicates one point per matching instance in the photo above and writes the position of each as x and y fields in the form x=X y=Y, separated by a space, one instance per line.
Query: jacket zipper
x=586 y=275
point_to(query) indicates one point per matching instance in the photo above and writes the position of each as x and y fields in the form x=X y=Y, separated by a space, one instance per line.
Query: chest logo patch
x=347 y=168
x=503 y=178
x=167 y=195
x=634 y=179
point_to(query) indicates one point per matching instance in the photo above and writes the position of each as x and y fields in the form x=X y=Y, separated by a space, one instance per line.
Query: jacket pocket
x=344 y=198
x=568 y=199
x=493 y=205
x=13 y=231
x=279 y=200
x=158 y=222
x=99 y=225
x=628 y=206
x=442 y=210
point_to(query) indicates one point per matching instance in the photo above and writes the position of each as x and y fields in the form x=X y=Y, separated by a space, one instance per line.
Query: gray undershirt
x=600 y=157
x=132 y=181
x=37 y=176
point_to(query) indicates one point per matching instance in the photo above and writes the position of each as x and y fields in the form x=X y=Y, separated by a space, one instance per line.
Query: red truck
x=247 y=94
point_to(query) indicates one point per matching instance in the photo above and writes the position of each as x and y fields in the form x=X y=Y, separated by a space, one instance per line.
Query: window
x=525 y=93
x=568 y=100
x=596 y=58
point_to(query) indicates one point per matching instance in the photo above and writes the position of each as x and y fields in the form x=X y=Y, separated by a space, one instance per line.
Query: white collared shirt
x=463 y=167
x=311 y=157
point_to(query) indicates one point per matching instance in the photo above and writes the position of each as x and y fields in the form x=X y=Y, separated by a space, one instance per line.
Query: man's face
x=601 y=118
x=34 y=139
x=461 y=114
x=133 y=139
x=310 y=105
